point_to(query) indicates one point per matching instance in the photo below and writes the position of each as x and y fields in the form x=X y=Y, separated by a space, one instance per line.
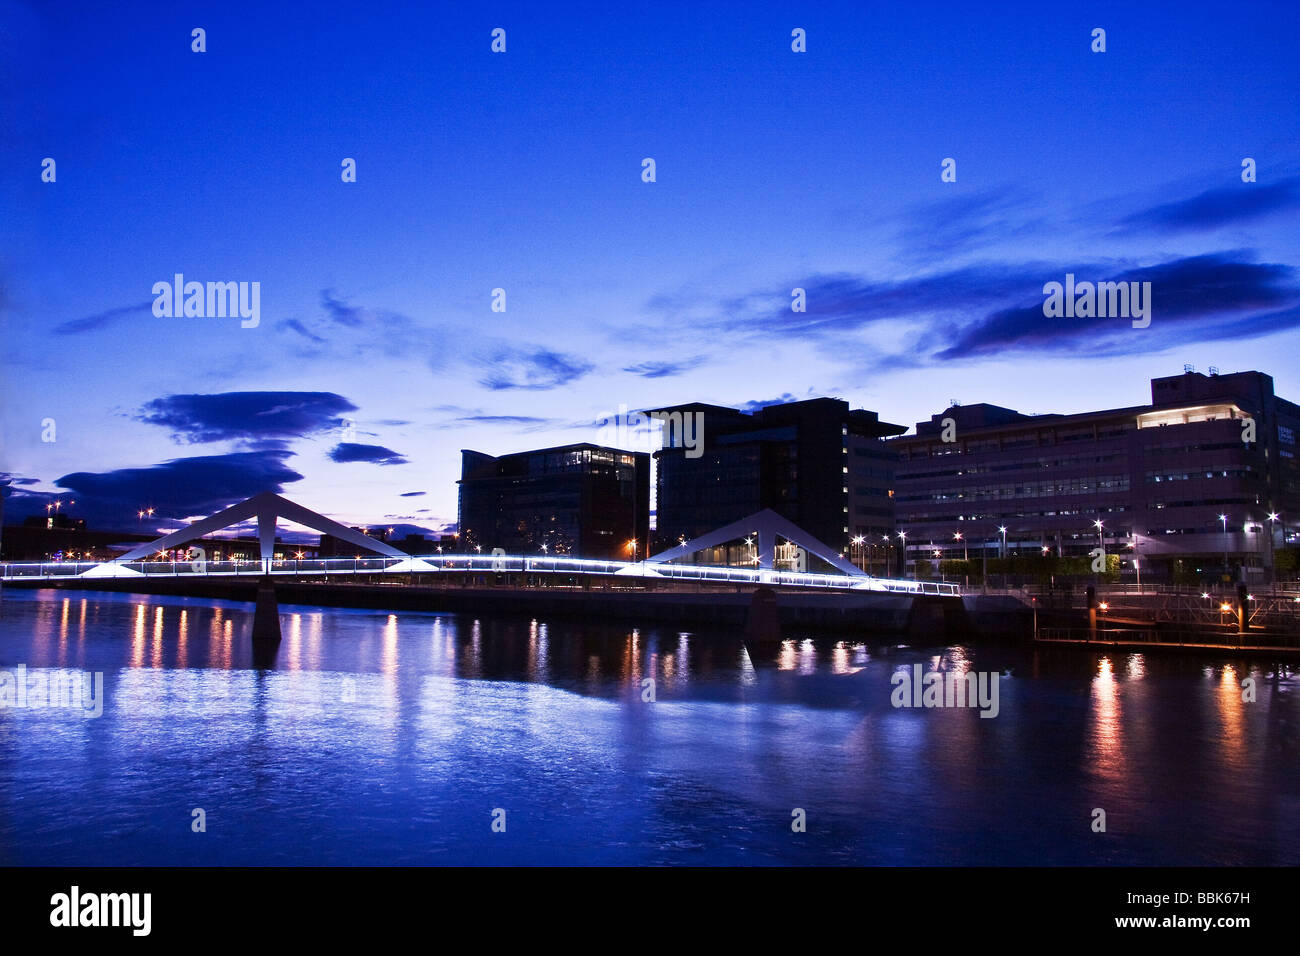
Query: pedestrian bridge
x=342 y=568
x=765 y=527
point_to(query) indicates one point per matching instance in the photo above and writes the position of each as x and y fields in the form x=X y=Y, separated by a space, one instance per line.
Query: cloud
x=412 y=494
x=176 y=489
x=1194 y=296
x=506 y=420
x=532 y=369
x=961 y=223
x=1213 y=208
x=345 y=452
x=785 y=399
x=341 y=312
x=664 y=369
x=101 y=320
x=246 y=415
x=295 y=325
x=841 y=302
x=982 y=310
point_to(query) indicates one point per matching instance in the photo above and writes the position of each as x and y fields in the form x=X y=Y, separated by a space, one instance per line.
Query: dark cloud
x=295 y=325
x=341 y=312
x=100 y=320
x=412 y=494
x=247 y=415
x=753 y=406
x=505 y=420
x=345 y=452
x=664 y=369
x=963 y=223
x=981 y=310
x=176 y=489
x=531 y=369
x=1207 y=297
x=1242 y=202
x=842 y=302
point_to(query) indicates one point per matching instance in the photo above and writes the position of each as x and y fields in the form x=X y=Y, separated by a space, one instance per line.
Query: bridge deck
x=466 y=564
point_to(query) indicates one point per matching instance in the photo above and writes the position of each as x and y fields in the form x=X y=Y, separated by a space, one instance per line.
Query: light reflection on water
x=374 y=737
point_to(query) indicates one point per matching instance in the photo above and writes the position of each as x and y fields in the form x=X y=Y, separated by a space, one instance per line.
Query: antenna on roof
x=953 y=403
x=1188 y=369
x=1214 y=370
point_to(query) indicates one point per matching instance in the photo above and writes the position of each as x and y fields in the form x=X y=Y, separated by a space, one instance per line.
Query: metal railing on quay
x=1179 y=638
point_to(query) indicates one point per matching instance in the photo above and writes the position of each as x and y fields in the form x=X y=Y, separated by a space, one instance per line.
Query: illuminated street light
x=1224 y=519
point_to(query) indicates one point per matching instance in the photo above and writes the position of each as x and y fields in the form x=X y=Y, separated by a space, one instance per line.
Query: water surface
x=376 y=738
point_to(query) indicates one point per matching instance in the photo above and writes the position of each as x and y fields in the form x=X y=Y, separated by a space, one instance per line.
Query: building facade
x=818 y=463
x=1199 y=484
x=584 y=500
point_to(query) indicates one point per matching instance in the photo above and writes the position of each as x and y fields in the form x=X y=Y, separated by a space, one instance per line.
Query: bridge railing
x=488 y=564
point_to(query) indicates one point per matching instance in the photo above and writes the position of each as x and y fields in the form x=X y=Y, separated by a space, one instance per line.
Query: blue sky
x=522 y=171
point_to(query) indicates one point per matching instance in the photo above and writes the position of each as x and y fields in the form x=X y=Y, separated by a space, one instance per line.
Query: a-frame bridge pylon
x=768 y=526
x=265 y=507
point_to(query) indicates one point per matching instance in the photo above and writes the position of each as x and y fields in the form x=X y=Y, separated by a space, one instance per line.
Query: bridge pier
x=763 y=623
x=266 y=614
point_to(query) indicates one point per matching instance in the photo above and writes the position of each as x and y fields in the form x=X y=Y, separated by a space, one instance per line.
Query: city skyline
x=377 y=356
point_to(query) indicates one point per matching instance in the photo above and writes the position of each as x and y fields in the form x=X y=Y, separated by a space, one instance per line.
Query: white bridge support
x=768 y=526
x=265 y=507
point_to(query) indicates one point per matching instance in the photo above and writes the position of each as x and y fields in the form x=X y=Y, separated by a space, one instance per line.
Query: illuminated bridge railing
x=484 y=564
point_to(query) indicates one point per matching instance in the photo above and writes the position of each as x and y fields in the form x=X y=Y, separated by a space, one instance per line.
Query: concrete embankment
x=863 y=612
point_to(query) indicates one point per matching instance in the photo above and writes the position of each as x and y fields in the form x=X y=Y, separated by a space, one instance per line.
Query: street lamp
x=902 y=553
x=1224 y=519
x=1272 y=518
x=965 y=554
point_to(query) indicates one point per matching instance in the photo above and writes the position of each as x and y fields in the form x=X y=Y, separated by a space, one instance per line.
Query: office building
x=1201 y=483
x=583 y=499
x=817 y=463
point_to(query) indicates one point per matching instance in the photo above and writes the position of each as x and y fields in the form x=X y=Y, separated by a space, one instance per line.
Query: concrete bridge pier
x=763 y=622
x=266 y=614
